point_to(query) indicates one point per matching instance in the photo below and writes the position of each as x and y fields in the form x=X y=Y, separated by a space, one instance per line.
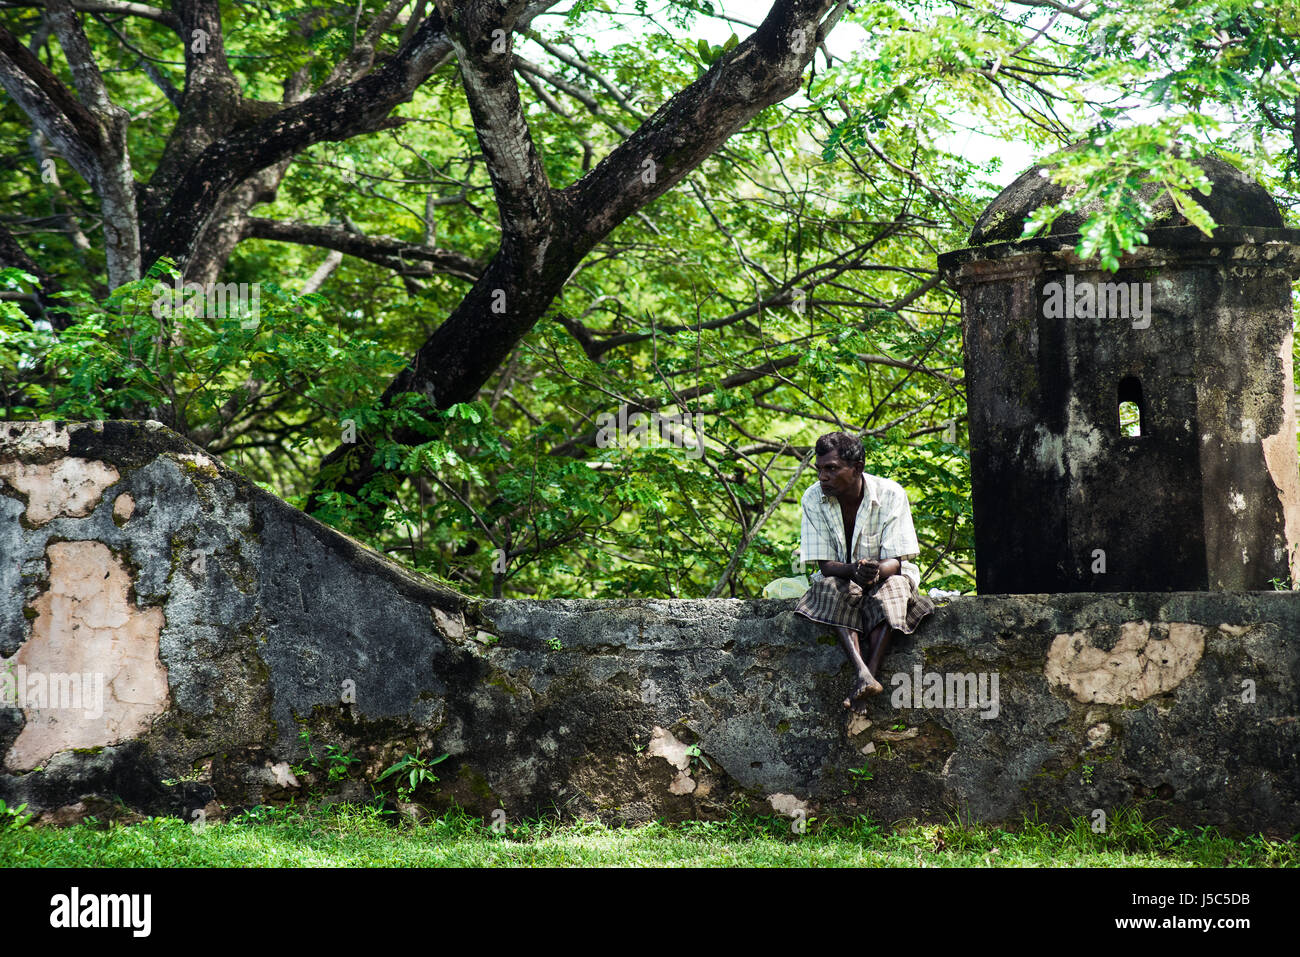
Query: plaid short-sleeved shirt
x=883 y=528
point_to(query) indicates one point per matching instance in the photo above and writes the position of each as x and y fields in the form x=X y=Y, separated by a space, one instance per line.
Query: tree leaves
x=688 y=307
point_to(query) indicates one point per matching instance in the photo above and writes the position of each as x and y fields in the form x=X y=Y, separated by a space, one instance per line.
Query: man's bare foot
x=864 y=686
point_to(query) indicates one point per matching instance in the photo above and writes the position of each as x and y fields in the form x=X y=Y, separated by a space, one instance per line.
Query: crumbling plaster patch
x=1083 y=440
x=1138 y=667
x=787 y=804
x=1049 y=450
x=682 y=783
x=88 y=633
x=664 y=744
x=69 y=487
x=1283 y=464
x=1079 y=446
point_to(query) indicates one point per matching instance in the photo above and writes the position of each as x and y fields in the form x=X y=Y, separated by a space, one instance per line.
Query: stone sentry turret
x=1132 y=431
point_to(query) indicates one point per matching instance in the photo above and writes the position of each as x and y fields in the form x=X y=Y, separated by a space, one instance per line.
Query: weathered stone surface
x=272 y=624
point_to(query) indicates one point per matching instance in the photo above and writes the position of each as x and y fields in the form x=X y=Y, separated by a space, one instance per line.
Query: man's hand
x=866 y=572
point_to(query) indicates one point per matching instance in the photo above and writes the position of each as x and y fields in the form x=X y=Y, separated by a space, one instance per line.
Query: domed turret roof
x=1235 y=200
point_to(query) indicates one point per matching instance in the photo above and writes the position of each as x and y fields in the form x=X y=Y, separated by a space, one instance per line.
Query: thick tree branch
x=481 y=32
x=763 y=69
x=85 y=74
x=264 y=134
x=406 y=259
x=523 y=278
x=207 y=71
x=109 y=163
x=211 y=105
x=50 y=105
x=334 y=114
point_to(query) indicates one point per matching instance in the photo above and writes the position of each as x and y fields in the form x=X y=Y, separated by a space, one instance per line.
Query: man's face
x=837 y=477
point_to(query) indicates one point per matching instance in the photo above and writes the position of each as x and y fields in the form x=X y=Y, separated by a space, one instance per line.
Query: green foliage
x=335 y=762
x=1110 y=172
x=1208 y=75
x=338 y=763
x=689 y=306
x=697 y=756
x=412 y=770
x=13 y=818
x=502 y=494
x=137 y=354
x=711 y=53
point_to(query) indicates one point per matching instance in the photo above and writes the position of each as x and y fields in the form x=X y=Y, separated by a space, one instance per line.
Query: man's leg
x=865 y=683
x=877 y=645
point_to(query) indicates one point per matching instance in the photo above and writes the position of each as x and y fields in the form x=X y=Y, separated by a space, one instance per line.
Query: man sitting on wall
x=858 y=528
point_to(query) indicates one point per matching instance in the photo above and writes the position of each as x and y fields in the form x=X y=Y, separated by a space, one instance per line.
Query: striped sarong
x=838 y=601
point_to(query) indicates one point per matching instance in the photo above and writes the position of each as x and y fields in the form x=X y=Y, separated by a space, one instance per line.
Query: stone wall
x=171 y=631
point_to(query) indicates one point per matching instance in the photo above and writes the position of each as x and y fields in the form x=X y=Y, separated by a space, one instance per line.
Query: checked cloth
x=838 y=601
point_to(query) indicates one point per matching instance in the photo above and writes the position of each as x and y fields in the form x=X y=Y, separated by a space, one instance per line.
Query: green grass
x=352 y=836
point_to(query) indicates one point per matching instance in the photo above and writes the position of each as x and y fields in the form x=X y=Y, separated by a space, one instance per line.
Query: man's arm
x=837 y=569
x=882 y=570
x=898 y=540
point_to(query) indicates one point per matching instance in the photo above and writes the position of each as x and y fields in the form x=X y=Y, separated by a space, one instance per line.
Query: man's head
x=839 y=464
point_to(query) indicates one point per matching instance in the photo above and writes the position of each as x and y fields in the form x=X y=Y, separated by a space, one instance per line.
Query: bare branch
x=585 y=97
x=362 y=55
x=406 y=259
x=323 y=271
x=1075 y=11
x=753 y=530
x=165 y=17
